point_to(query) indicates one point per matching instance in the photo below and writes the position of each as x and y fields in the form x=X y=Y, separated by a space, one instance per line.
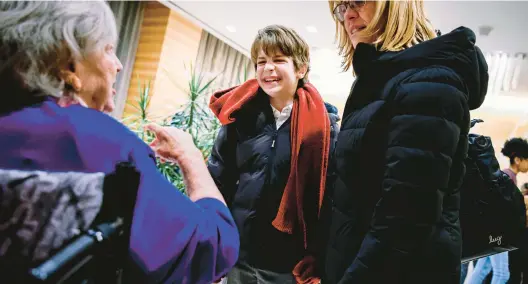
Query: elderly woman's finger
x=156 y=130
x=154 y=143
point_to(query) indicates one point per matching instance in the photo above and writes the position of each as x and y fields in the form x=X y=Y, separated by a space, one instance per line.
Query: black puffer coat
x=399 y=161
x=252 y=175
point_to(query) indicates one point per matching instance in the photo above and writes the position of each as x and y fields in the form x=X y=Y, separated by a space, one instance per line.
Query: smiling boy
x=273 y=186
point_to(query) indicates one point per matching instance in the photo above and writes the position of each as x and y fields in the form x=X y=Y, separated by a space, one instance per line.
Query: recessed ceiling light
x=311 y=29
x=231 y=28
x=485 y=30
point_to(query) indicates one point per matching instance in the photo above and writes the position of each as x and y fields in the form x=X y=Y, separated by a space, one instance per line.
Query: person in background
x=524 y=189
x=51 y=50
x=269 y=161
x=402 y=144
x=497 y=263
x=519 y=258
x=516 y=149
x=463 y=271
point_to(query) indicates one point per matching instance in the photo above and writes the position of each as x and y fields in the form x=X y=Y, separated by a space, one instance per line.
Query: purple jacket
x=511 y=174
x=173 y=239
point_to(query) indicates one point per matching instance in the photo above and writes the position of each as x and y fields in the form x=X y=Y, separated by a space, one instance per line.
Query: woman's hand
x=173 y=144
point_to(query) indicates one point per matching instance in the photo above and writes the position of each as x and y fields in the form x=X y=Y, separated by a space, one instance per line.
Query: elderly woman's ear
x=71 y=81
x=72 y=85
x=64 y=69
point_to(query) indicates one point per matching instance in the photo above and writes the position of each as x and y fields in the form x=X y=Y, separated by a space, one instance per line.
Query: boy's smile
x=277 y=76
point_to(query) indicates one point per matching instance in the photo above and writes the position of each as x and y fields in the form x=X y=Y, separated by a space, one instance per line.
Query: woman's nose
x=351 y=13
x=119 y=65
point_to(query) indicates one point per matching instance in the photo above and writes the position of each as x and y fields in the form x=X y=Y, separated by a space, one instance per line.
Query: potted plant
x=194 y=117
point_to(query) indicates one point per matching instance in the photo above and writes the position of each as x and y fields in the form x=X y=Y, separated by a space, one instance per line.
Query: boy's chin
x=271 y=94
x=273 y=91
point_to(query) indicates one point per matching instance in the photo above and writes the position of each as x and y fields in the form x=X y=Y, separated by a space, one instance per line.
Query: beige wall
x=167 y=41
x=152 y=34
x=179 y=50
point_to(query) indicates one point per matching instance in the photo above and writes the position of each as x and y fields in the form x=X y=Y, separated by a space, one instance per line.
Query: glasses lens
x=340 y=11
x=357 y=4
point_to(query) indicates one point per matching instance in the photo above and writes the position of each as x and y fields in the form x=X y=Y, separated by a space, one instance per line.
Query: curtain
x=505 y=71
x=216 y=58
x=129 y=15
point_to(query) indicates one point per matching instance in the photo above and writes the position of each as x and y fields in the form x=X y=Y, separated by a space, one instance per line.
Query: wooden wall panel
x=152 y=34
x=180 y=48
x=167 y=42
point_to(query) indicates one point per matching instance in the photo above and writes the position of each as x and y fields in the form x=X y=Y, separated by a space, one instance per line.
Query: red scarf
x=311 y=129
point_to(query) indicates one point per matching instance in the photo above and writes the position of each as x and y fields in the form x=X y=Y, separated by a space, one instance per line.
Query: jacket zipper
x=271 y=156
x=275 y=133
x=273 y=142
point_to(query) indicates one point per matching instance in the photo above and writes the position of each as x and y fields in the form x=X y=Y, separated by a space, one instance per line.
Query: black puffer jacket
x=399 y=161
x=252 y=175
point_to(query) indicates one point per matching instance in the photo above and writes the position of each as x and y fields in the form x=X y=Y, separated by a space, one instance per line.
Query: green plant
x=142 y=118
x=194 y=117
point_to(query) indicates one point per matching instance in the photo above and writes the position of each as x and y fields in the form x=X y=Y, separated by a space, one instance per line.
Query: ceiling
x=508 y=19
x=237 y=22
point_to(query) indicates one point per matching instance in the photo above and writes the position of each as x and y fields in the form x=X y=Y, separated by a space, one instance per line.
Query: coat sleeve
x=423 y=137
x=222 y=162
x=175 y=240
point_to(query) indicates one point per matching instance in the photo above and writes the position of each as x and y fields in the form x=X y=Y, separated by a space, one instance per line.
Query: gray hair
x=36 y=37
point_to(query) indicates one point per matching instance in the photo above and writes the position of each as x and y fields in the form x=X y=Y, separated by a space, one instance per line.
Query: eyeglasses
x=340 y=10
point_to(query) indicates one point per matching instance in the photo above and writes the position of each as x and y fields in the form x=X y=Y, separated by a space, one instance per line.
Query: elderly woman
x=50 y=50
x=400 y=152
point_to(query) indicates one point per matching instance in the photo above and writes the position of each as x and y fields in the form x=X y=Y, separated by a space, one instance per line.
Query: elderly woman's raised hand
x=173 y=144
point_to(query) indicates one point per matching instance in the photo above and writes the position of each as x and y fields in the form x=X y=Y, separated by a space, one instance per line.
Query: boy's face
x=522 y=165
x=277 y=76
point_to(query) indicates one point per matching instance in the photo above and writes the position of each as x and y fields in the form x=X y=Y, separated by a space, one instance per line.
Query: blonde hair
x=276 y=38
x=397 y=25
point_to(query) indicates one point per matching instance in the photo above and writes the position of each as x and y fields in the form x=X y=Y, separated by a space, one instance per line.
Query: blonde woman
x=402 y=143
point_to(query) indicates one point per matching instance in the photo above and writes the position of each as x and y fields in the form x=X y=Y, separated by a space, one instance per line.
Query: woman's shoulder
x=76 y=138
x=428 y=76
x=435 y=82
x=97 y=126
